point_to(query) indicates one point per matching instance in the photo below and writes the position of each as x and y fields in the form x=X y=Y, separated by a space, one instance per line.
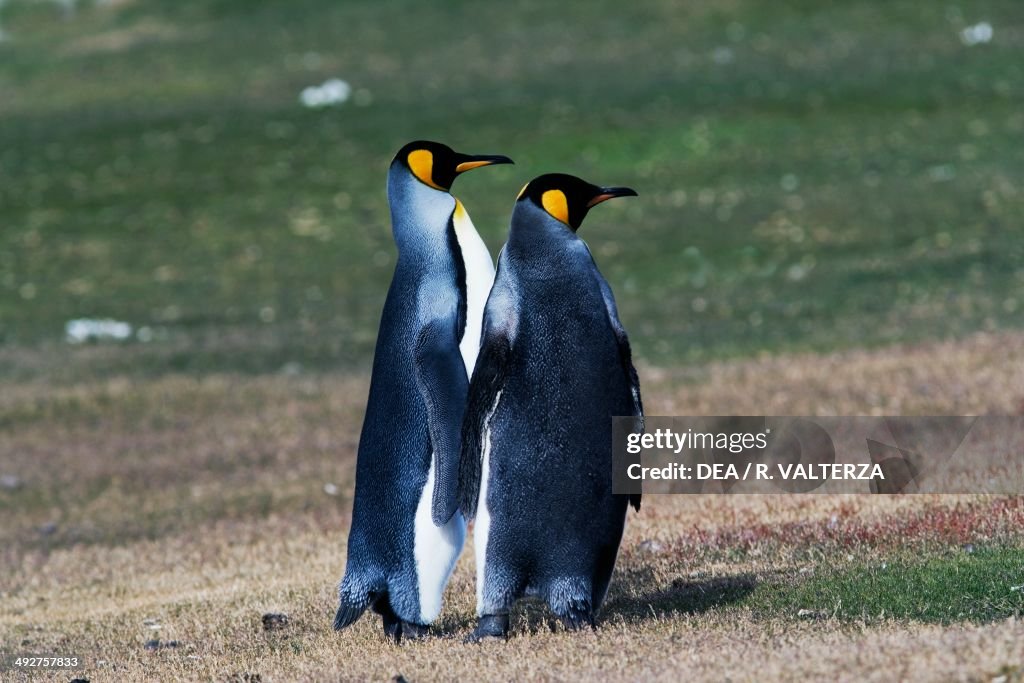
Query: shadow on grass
x=945 y=586
x=633 y=597
x=682 y=596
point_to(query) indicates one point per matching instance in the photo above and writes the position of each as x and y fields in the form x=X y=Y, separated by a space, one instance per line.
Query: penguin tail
x=351 y=606
x=348 y=613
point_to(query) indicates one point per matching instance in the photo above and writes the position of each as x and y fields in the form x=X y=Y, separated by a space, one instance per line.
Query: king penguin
x=554 y=367
x=406 y=531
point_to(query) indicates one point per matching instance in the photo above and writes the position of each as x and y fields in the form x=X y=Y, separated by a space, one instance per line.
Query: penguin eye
x=555 y=203
x=421 y=163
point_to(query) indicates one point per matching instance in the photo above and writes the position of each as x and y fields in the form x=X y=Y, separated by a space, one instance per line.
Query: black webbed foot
x=489 y=626
x=390 y=621
x=411 y=631
x=578 y=620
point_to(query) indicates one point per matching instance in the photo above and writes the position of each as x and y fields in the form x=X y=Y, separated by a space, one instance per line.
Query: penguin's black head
x=437 y=165
x=567 y=197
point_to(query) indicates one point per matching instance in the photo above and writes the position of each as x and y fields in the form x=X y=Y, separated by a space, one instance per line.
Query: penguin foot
x=411 y=631
x=389 y=620
x=489 y=626
x=398 y=630
x=393 y=629
x=570 y=600
x=576 y=621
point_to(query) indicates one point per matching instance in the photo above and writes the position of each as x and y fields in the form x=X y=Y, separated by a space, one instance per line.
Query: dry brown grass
x=184 y=509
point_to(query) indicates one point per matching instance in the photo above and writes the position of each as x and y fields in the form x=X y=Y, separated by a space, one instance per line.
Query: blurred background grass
x=813 y=175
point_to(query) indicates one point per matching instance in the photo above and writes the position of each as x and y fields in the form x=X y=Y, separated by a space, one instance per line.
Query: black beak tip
x=465 y=162
x=621 y=191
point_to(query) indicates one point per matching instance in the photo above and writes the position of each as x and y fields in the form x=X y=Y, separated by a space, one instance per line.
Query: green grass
x=812 y=176
x=981 y=586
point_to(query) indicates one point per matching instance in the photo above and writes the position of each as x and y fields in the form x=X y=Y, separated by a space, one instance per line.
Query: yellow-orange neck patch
x=421 y=162
x=555 y=203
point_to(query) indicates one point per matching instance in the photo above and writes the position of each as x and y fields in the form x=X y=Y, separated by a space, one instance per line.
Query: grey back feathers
x=554 y=367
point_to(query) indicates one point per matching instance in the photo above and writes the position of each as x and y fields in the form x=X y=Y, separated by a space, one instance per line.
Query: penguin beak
x=606 y=193
x=469 y=162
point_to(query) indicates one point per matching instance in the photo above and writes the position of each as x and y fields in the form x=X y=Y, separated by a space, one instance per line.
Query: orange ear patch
x=421 y=162
x=555 y=203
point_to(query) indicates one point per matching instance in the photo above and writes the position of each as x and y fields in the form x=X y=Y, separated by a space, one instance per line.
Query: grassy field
x=812 y=176
x=182 y=510
x=829 y=224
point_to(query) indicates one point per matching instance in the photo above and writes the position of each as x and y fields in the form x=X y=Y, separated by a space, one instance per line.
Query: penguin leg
x=396 y=628
x=412 y=631
x=392 y=624
x=490 y=626
x=603 y=574
x=570 y=599
x=502 y=586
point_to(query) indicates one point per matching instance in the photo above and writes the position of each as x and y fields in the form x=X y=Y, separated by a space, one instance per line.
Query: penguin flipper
x=441 y=376
x=625 y=352
x=488 y=379
x=626 y=359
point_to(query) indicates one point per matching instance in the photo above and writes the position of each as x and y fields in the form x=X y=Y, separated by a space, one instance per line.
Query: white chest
x=479 y=278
